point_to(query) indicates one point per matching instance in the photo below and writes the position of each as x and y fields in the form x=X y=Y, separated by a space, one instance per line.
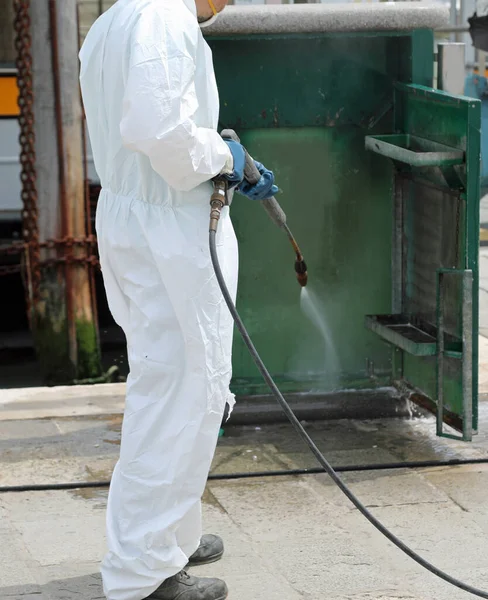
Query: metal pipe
x=65 y=232
x=88 y=223
x=426 y=464
x=467 y=295
x=451 y=67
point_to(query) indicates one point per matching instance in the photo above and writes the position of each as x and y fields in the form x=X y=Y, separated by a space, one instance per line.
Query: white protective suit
x=151 y=104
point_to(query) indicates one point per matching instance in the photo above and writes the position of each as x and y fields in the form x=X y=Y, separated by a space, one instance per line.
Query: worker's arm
x=160 y=101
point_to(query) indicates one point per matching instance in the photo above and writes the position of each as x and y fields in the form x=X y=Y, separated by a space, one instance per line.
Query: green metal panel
x=342 y=233
x=441 y=212
x=303 y=104
x=308 y=81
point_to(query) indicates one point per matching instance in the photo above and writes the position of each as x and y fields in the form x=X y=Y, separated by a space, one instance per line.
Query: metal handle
x=252 y=175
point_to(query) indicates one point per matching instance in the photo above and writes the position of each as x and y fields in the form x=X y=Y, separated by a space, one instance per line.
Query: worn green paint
x=418 y=58
x=296 y=91
x=348 y=262
x=304 y=105
x=303 y=121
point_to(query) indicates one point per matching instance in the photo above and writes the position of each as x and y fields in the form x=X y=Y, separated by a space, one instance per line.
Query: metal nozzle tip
x=301 y=271
x=302 y=278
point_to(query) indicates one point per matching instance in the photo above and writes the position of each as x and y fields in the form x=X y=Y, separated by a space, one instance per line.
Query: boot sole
x=206 y=561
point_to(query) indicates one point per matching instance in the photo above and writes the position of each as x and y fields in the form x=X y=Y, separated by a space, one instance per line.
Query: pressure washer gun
x=220 y=197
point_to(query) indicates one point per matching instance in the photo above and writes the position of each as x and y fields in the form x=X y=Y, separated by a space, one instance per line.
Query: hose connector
x=217 y=202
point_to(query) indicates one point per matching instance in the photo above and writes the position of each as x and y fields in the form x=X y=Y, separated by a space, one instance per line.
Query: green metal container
x=379 y=177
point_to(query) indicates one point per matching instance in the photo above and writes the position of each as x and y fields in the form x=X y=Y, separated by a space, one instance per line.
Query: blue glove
x=263 y=189
x=239 y=156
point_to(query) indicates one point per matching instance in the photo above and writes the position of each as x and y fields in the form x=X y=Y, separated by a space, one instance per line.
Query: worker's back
x=125 y=36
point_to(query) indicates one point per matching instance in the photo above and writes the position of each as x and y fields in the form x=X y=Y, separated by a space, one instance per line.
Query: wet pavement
x=286 y=537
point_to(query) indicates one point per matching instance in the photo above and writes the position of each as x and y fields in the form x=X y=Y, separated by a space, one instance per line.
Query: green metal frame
x=305 y=104
x=411 y=334
x=414 y=151
x=450 y=124
x=465 y=355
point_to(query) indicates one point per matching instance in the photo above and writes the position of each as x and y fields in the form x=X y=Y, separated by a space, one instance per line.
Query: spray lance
x=219 y=199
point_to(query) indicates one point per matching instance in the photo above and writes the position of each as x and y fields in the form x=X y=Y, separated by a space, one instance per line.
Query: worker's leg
x=179 y=338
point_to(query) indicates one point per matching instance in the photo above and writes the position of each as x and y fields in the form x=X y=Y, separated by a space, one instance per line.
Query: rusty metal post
x=63 y=323
x=80 y=300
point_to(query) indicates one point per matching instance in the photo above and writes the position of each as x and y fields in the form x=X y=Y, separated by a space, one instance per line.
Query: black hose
x=311 y=444
x=422 y=464
x=51 y=487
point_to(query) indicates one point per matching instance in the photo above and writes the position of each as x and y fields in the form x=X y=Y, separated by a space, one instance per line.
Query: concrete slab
x=466 y=486
x=16 y=565
x=62 y=401
x=287 y=538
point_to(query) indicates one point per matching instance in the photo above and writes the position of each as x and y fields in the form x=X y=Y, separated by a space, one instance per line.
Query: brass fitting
x=217 y=201
x=301 y=270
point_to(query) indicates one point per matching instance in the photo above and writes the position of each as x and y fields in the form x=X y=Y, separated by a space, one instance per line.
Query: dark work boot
x=210 y=550
x=186 y=587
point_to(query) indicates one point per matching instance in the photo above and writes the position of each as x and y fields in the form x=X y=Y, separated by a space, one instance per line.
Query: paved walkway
x=286 y=537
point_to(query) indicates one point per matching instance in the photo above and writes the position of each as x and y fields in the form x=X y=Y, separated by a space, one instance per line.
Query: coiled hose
x=311 y=444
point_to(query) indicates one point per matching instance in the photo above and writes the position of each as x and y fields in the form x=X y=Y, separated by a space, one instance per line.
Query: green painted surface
x=316 y=81
x=441 y=228
x=342 y=235
x=304 y=105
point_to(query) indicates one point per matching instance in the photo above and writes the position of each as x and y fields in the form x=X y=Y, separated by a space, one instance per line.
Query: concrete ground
x=286 y=537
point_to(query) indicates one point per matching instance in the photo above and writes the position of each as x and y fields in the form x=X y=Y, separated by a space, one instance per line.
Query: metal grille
x=433 y=221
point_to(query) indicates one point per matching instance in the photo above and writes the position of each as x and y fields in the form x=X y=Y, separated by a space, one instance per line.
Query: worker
x=151 y=104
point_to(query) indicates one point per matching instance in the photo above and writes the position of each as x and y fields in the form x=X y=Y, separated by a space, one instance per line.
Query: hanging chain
x=30 y=249
x=30 y=230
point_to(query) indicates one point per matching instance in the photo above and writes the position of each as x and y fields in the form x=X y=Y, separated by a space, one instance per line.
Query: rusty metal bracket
x=62 y=246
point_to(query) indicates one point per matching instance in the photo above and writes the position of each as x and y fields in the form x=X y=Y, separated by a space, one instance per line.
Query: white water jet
x=314 y=311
